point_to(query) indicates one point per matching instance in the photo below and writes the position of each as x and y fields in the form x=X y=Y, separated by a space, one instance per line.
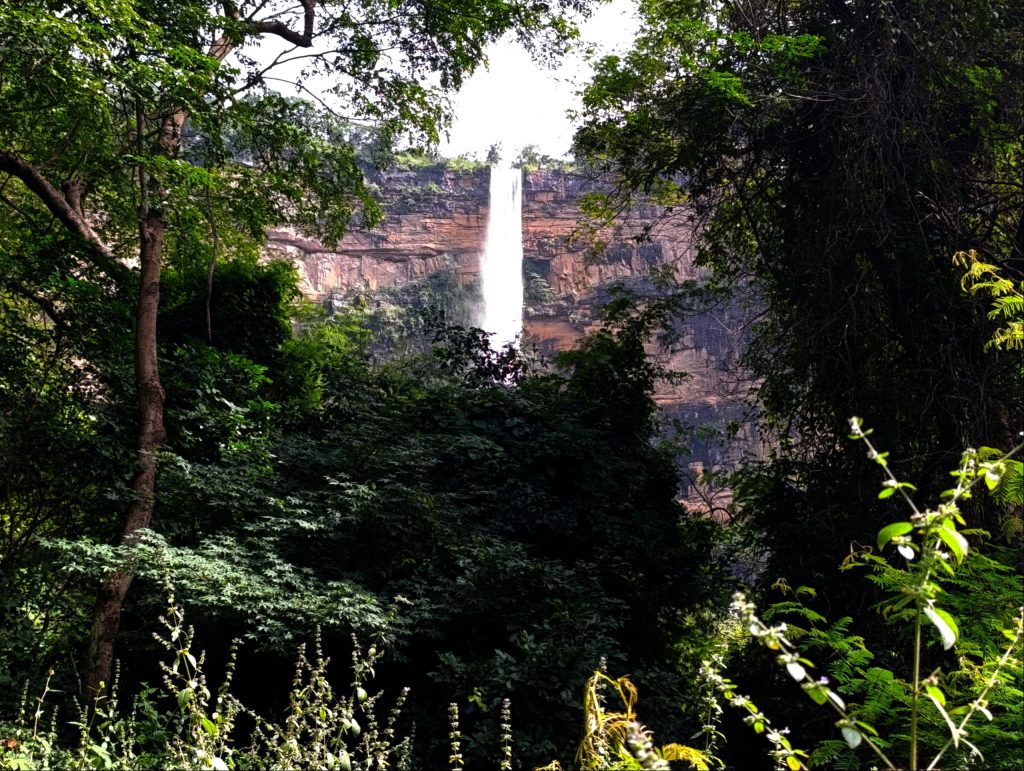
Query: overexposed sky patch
x=517 y=103
x=512 y=101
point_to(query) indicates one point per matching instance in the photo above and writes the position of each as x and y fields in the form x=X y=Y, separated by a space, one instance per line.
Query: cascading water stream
x=501 y=265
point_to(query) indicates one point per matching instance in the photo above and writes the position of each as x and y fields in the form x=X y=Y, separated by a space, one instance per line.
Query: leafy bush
x=183 y=724
x=916 y=715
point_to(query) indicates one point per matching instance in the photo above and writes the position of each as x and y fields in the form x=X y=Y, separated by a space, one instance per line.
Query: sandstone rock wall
x=437 y=218
x=433 y=217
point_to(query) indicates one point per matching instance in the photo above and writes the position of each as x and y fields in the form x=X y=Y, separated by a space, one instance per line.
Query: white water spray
x=501 y=265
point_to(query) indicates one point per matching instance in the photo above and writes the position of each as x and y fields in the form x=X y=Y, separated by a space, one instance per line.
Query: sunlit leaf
x=852 y=736
x=936 y=694
x=889 y=532
x=938 y=698
x=956 y=542
x=945 y=624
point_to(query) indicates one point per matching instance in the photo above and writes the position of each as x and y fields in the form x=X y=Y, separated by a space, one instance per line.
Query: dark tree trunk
x=150 y=395
x=150 y=435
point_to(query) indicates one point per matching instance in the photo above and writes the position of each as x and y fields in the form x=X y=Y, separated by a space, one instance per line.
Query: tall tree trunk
x=150 y=395
x=150 y=435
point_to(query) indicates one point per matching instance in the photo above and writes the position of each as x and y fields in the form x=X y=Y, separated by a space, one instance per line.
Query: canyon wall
x=436 y=219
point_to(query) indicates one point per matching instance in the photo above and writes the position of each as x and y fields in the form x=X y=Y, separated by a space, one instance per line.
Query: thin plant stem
x=915 y=696
x=775 y=636
x=965 y=481
x=980 y=701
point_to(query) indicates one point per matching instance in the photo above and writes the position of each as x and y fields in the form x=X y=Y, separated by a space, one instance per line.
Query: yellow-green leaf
x=889 y=532
x=936 y=694
x=945 y=624
x=956 y=542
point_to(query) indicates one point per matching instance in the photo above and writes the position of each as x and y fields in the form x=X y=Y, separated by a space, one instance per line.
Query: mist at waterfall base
x=501 y=265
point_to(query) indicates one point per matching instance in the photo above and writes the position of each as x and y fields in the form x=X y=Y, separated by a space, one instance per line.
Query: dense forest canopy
x=836 y=157
x=182 y=433
x=126 y=129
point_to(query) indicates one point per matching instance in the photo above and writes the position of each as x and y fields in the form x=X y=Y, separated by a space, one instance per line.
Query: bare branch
x=282 y=30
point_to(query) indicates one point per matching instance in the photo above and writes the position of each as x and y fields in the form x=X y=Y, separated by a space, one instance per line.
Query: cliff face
x=433 y=218
x=436 y=219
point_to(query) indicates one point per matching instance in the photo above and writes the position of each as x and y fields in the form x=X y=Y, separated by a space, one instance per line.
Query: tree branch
x=45 y=304
x=54 y=201
x=72 y=189
x=282 y=30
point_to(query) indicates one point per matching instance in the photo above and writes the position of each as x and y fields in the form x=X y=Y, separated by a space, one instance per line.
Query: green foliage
x=402 y=320
x=537 y=293
x=64 y=454
x=526 y=504
x=1007 y=299
x=141 y=142
x=522 y=504
x=531 y=159
x=910 y=717
x=423 y=160
x=183 y=724
x=830 y=159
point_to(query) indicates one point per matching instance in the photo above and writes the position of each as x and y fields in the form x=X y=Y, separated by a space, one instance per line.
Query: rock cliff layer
x=436 y=219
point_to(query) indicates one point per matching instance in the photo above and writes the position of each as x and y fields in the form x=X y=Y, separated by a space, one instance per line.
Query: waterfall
x=501 y=265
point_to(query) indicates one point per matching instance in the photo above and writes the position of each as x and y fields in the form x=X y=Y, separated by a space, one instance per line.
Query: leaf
x=945 y=624
x=796 y=671
x=956 y=542
x=867 y=728
x=817 y=692
x=836 y=699
x=793 y=763
x=184 y=697
x=889 y=532
x=939 y=700
x=936 y=695
x=853 y=737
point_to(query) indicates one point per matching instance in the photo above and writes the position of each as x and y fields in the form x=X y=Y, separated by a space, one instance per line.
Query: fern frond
x=826 y=752
x=1007 y=307
x=1010 y=337
x=1010 y=490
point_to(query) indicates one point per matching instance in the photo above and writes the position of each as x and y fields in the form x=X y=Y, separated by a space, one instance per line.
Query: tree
x=532 y=507
x=834 y=158
x=128 y=140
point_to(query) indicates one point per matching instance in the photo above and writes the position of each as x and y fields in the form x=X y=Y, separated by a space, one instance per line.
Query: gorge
x=436 y=223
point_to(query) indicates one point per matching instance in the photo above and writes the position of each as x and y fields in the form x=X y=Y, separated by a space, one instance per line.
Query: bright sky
x=512 y=101
x=518 y=103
